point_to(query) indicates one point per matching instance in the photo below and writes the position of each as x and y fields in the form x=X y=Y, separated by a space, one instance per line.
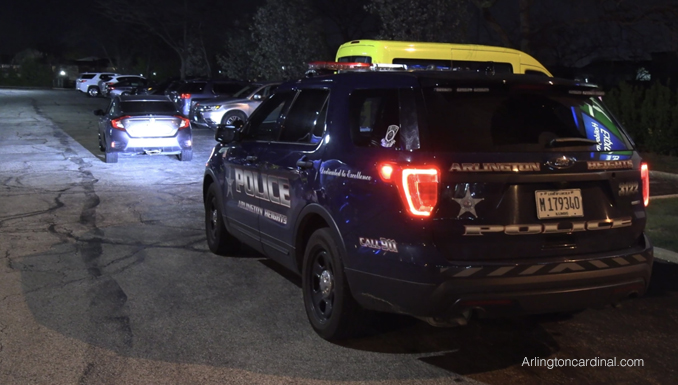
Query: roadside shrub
x=649 y=115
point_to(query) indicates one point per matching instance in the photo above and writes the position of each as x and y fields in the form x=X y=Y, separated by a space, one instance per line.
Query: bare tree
x=567 y=31
x=421 y=20
x=177 y=23
x=346 y=20
x=288 y=34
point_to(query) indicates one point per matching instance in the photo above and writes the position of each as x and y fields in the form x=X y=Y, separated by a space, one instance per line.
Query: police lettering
x=263 y=186
x=549 y=228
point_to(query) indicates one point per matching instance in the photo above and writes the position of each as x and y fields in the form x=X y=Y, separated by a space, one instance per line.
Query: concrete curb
x=665 y=255
x=663 y=175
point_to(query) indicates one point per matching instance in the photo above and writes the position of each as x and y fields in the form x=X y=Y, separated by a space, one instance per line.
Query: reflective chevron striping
x=501 y=271
x=552 y=268
x=567 y=266
x=599 y=264
x=468 y=272
x=621 y=261
x=532 y=269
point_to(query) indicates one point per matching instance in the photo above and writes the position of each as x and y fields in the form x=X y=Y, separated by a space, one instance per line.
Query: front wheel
x=219 y=240
x=231 y=117
x=330 y=307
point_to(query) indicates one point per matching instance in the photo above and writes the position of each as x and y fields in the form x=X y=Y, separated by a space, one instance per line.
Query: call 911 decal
x=379 y=244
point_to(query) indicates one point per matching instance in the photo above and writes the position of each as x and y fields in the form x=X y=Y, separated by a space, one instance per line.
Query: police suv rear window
x=480 y=119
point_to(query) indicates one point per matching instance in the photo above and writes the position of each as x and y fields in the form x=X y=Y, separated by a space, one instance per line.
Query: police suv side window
x=264 y=124
x=375 y=119
x=305 y=122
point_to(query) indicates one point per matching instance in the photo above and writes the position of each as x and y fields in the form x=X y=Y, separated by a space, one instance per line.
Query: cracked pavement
x=105 y=278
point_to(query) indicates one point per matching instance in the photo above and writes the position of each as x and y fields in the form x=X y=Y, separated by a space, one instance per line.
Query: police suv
x=437 y=194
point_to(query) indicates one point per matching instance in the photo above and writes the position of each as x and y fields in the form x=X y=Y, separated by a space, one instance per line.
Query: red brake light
x=418 y=187
x=185 y=96
x=336 y=66
x=118 y=123
x=645 y=178
x=184 y=123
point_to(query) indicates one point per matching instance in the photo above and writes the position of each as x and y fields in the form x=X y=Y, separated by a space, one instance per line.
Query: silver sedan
x=212 y=112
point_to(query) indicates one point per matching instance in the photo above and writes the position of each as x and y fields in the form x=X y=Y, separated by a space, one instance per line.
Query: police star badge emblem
x=468 y=204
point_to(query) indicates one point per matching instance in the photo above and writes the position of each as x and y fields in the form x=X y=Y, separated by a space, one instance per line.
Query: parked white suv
x=88 y=82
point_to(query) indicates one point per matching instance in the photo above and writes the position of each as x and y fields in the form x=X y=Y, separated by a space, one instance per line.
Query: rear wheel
x=186 y=155
x=330 y=307
x=219 y=240
x=232 y=116
x=93 y=92
x=111 y=157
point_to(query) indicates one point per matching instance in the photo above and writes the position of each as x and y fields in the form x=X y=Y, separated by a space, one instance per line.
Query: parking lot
x=106 y=279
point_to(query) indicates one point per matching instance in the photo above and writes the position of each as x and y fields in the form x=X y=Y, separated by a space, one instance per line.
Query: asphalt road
x=105 y=278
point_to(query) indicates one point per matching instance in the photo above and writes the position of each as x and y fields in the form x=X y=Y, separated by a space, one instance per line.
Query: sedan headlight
x=210 y=108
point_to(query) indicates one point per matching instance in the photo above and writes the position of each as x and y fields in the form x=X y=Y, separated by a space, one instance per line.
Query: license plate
x=559 y=204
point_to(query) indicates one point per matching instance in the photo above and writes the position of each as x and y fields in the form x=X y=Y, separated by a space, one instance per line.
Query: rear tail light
x=119 y=123
x=645 y=177
x=185 y=96
x=418 y=186
x=184 y=123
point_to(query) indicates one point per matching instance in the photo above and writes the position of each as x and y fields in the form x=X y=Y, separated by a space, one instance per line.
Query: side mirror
x=99 y=112
x=226 y=134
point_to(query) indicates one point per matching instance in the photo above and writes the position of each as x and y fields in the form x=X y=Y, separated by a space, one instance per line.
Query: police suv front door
x=290 y=166
x=246 y=186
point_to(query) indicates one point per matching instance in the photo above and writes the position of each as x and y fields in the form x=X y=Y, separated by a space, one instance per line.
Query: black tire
x=219 y=240
x=93 y=92
x=111 y=157
x=186 y=155
x=330 y=307
x=231 y=116
x=102 y=148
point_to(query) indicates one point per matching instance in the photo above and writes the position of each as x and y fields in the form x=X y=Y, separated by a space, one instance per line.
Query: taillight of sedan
x=119 y=123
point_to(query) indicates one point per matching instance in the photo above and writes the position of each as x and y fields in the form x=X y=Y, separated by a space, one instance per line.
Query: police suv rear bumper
x=506 y=290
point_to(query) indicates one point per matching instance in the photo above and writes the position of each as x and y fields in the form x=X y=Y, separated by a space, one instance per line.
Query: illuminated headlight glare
x=211 y=108
x=189 y=143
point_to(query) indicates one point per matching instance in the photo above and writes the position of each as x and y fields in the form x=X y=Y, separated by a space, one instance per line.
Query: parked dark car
x=144 y=125
x=104 y=85
x=194 y=90
x=126 y=86
x=159 y=88
x=437 y=194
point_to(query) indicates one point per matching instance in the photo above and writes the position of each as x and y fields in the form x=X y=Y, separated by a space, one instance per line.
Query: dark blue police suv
x=437 y=194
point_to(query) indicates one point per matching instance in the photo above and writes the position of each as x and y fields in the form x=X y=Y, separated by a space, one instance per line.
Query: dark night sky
x=38 y=24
